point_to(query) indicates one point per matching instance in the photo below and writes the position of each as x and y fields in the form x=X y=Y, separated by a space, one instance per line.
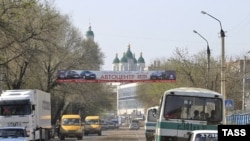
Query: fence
x=238 y=119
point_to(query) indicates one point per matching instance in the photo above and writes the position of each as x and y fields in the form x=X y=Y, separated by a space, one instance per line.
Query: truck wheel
x=79 y=138
x=62 y=138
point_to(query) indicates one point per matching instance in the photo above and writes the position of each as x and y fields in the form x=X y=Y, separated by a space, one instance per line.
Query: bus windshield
x=71 y=121
x=193 y=108
x=151 y=117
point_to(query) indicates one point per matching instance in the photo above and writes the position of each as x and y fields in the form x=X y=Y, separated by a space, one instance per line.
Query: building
x=128 y=62
x=90 y=34
x=127 y=103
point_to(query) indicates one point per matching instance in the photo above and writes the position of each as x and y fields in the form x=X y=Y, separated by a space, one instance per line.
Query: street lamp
x=208 y=56
x=222 y=34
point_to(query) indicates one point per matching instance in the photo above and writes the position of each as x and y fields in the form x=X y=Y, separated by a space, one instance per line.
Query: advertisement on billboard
x=115 y=76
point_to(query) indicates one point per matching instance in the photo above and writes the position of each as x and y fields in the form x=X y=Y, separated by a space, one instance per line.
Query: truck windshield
x=11 y=133
x=15 y=108
x=193 y=108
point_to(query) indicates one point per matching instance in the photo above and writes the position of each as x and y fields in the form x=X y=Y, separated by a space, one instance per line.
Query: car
x=61 y=74
x=158 y=75
x=134 y=125
x=203 y=135
x=71 y=74
x=116 y=122
x=104 y=124
x=87 y=75
x=111 y=125
x=13 y=134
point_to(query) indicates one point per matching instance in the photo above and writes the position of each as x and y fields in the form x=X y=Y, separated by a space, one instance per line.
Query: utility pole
x=222 y=35
x=244 y=83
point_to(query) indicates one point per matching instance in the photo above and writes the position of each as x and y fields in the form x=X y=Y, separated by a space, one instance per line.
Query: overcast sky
x=157 y=27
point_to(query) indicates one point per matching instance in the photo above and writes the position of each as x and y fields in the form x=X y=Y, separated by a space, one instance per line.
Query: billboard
x=115 y=76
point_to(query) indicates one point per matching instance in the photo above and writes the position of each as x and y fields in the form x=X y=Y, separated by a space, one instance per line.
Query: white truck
x=29 y=108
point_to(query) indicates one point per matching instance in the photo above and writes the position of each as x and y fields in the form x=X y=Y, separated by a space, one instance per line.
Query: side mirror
x=33 y=107
x=25 y=132
x=154 y=112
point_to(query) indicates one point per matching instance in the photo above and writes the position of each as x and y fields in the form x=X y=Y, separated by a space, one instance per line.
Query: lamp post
x=222 y=34
x=208 y=57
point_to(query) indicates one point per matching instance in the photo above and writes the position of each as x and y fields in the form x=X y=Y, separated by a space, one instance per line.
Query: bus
x=185 y=109
x=150 y=123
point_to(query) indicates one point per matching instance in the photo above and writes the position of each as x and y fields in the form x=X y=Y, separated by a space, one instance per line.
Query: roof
x=92 y=117
x=71 y=116
x=129 y=53
x=141 y=59
x=203 y=131
x=192 y=90
x=89 y=32
x=116 y=60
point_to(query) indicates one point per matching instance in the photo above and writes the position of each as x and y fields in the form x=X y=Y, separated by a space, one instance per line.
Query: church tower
x=128 y=62
x=90 y=34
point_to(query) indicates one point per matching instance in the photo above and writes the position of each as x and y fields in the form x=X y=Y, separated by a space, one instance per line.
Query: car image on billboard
x=87 y=75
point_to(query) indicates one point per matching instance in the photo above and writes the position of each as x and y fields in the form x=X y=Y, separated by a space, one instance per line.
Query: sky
x=156 y=28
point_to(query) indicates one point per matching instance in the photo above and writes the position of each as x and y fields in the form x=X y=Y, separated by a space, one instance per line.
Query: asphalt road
x=121 y=134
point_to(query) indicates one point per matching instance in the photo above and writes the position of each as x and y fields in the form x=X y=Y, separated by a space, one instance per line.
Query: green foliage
x=192 y=71
x=36 y=41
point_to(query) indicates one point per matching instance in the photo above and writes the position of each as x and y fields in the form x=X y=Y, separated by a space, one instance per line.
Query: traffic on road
x=121 y=134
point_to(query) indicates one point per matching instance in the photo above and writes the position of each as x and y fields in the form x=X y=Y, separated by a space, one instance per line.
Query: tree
x=190 y=72
x=37 y=41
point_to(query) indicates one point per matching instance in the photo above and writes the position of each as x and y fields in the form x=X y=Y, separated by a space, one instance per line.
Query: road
x=121 y=134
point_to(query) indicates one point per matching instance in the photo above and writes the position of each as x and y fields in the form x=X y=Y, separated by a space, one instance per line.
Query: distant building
x=127 y=104
x=128 y=62
x=90 y=34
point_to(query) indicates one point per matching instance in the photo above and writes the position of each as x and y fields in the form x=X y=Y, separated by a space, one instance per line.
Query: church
x=128 y=62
